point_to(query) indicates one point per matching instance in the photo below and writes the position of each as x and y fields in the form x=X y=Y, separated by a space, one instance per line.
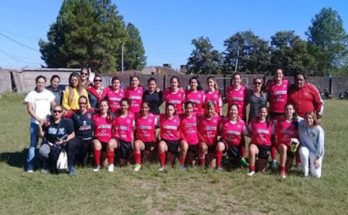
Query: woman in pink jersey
x=277 y=96
x=189 y=135
x=260 y=131
x=287 y=139
x=145 y=135
x=135 y=94
x=175 y=94
x=233 y=130
x=212 y=94
x=102 y=133
x=237 y=94
x=208 y=131
x=196 y=95
x=113 y=94
x=122 y=137
x=170 y=136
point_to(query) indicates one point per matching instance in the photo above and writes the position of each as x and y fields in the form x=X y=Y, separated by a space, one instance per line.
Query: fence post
x=330 y=84
x=164 y=82
x=224 y=83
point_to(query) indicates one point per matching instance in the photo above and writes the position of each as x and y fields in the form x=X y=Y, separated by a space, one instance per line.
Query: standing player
x=135 y=94
x=113 y=94
x=153 y=96
x=256 y=99
x=212 y=94
x=175 y=95
x=145 y=136
x=196 y=95
x=208 y=131
x=170 y=136
x=102 y=133
x=123 y=126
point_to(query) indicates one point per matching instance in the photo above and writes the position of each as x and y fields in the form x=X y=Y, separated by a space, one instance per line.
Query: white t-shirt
x=41 y=102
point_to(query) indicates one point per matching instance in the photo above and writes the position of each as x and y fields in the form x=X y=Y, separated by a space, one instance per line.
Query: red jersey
x=102 y=128
x=123 y=126
x=305 y=99
x=197 y=98
x=208 y=129
x=145 y=128
x=239 y=98
x=285 y=130
x=277 y=95
x=233 y=132
x=169 y=128
x=135 y=95
x=188 y=129
x=113 y=97
x=96 y=93
x=215 y=97
x=260 y=132
x=177 y=99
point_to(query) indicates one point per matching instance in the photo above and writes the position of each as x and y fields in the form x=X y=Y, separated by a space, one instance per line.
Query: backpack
x=62 y=162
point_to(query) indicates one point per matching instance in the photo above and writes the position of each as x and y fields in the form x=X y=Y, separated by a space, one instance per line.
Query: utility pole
x=236 y=66
x=122 y=58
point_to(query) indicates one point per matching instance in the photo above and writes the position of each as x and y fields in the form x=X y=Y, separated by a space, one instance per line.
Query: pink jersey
x=169 y=128
x=277 y=95
x=113 y=97
x=145 y=128
x=177 y=99
x=239 y=98
x=208 y=129
x=135 y=95
x=260 y=132
x=123 y=127
x=285 y=130
x=215 y=97
x=188 y=129
x=197 y=98
x=232 y=132
x=102 y=128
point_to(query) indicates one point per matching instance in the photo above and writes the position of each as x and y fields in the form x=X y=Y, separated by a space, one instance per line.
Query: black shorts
x=104 y=146
x=211 y=149
x=124 y=149
x=173 y=146
x=150 y=146
x=263 y=151
x=233 y=152
x=193 y=149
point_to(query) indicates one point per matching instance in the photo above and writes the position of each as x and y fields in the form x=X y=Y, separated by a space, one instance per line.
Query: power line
x=19 y=43
x=16 y=58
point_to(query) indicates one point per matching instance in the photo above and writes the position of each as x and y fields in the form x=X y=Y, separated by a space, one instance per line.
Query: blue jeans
x=34 y=139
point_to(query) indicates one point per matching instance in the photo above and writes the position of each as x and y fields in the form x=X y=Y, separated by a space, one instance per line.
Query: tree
x=204 y=59
x=328 y=39
x=87 y=33
x=134 y=49
x=251 y=51
x=291 y=53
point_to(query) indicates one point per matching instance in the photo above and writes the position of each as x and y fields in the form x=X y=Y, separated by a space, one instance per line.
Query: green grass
x=149 y=192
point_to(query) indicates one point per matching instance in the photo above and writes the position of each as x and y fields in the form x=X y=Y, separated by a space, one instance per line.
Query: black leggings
x=70 y=148
x=83 y=148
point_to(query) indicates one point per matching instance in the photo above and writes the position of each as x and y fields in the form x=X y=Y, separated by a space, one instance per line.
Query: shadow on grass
x=14 y=159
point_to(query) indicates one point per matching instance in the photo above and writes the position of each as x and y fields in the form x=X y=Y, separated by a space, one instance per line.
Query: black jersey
x=83 y=125
x=58 y=131
x=155 y=100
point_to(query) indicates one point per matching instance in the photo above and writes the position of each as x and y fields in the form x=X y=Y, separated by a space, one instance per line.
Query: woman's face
x=211 y=111
x=258 y=84
x=57 y=112
x=152 y=86
x=279 y=75
x=97 y=82
x=124 y=106
x=40 y=84
x=289 y=111
x=300 y=81
x=188 y=109
x=74 y=81
x=144 y=109
x=170 y=110
x=211 y=84
x=104 y=107
x=135 y=82
x=233 y=112
x=83 y=104
x=84 y=74
x=193 y=84
x=116 y=84
x=263 y=113
x=174 y=83
x=309 y=120
x=55 y=82
x=236 y=80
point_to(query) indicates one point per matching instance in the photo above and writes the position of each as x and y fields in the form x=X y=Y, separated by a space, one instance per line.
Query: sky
x=167 y=27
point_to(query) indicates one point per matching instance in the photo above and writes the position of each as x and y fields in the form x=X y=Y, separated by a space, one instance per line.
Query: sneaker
x=243 y=162
x=274 y=164
x=44 y=171
x=282 y=174
x=96 y=169
x=72 y=171
x=110 y=168
x=137 y=167
x=182 y=168
x=219 y=169
x=251 y=173
x=30 y=171
x=161 y=169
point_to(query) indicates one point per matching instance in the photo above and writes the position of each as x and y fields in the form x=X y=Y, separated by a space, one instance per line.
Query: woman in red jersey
x=113 y=94
x=208 y=131
x=175 y=95
x=122 y=136
x=95 y=91
x=213 y=94
x=260 y=131
x=145 y=135
x=135 y=94
x=170 y=136
x=196 y=95
x=287 y=139
x=102 y=133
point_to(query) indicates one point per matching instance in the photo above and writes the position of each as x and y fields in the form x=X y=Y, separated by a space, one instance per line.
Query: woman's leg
x=304 y=155
x=253 y=151
x=183 y=152
x=71 y=152
x=220 y=148
x=34 y=139
x=315 y=172
x=202 y=151
x=44 y=152
x=162 y=148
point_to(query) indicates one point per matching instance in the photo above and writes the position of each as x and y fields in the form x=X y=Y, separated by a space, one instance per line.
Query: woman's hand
x=317 y=163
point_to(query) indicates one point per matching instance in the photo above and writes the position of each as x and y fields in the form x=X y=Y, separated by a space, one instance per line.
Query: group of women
x=127 y=124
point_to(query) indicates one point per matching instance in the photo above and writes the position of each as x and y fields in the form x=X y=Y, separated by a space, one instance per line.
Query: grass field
x=194 y=191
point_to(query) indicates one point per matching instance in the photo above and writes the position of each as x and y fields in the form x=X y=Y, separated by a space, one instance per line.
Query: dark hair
x=199 y=87
x=213 y=79
x=171 y=79
x=300 y=73
x=188 y=103
x=85 y=68
x=170 y=104
x=97 y=76
x=74 y=74
x=40 y=76
x=268 y=120
x=234 y=76
x=314 y=116
x=83 y=97
x=151 y=79
x=114 y=78
x=54 y=76
x=135 y=76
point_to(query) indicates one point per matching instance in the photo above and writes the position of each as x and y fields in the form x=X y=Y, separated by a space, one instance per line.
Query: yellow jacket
x=74 y=103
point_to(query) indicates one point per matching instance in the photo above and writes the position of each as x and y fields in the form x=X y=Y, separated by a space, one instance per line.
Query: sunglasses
x=98 y=80
x=257 y=83
x=84 y=73
x=57 y=111
x=82 y=103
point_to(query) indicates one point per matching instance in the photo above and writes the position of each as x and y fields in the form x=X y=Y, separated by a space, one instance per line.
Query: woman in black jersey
x=83 y=126
x=153 y=96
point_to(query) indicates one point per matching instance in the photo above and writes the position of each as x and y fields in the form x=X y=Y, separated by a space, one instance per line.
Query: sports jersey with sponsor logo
x=233 y=132
x=135 y=95
x=277 y=95
x=197 y=98
x=176 y=98
x=188 y=129
x=215 y=97
x=208 y=129
x=113 y=97
x=169 y=127
x=237 y=97
x=102 y=128
x=123 y=126
x=145 y=128
x=285 y=130
x=261 y=132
